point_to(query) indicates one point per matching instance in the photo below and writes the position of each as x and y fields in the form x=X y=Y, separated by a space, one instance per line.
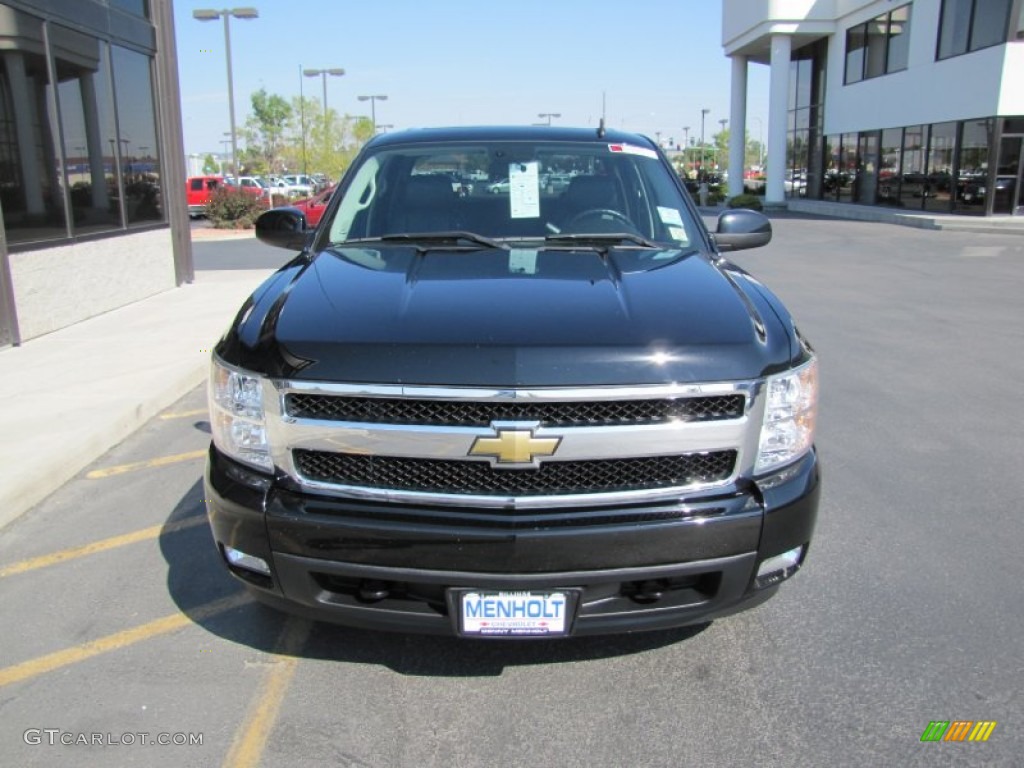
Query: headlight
x=790 y=412
x=237 y=419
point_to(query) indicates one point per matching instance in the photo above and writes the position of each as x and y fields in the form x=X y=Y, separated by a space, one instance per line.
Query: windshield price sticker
x=514 y=614
x=524 y=190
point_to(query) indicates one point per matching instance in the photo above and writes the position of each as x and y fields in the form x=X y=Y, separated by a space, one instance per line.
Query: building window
x=137 y=7
x=30 y=186
x=970 y=25
x=140 y=163
x=941 y=153
x=879 y=46
x=80 y=155
x=889 y=164
x=973 y=166
x=87 y=122
x=914 y=180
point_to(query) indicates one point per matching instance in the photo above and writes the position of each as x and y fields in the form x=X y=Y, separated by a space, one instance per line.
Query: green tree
x=265 y=128
x=210 y=165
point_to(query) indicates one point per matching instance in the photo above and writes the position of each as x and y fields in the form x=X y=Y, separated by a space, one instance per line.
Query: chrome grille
x=479 y=478
x=468 y=413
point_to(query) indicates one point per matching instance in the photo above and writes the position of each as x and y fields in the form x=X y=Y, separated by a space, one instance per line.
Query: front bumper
x=392 y=567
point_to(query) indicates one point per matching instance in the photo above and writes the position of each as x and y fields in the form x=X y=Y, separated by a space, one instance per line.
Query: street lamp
x=322 y=74
x=702 y=114
x=373 y=107
x=549 y=115
x=385 y=127
x=686 y=147
x=206 y=14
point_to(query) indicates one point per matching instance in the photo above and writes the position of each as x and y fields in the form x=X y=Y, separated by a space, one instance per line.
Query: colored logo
x=515 y=446
x=958 y=730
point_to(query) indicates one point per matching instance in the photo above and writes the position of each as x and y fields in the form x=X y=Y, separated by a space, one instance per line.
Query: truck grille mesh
x=377 y=410
x=479 y=478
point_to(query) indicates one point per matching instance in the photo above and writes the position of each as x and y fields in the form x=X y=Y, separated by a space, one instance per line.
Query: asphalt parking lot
x=120 y=623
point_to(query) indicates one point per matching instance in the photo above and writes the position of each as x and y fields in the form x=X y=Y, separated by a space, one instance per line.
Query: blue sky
x=457 y=62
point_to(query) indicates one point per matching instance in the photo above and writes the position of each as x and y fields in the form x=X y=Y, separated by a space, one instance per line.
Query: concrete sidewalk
x=67 y=397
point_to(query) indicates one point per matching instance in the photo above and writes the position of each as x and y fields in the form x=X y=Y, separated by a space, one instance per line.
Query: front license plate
x=515 y=614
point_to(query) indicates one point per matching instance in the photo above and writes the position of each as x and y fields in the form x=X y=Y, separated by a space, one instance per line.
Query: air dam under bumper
x=376 y=566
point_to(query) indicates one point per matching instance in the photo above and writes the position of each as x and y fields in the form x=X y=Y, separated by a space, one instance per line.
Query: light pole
x=206 y=14
x=373 y=99
x=549 y=115
x=703 y=113
x=686 y=147
x=322 y=74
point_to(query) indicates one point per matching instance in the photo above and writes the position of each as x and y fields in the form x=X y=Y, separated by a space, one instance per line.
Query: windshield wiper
x=426 y=240
x=605 y=239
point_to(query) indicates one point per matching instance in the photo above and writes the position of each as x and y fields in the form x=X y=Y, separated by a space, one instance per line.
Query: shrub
x=746 y=201
x=233 y=208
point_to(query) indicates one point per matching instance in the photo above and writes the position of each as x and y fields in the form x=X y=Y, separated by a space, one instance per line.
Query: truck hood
x=519 y=318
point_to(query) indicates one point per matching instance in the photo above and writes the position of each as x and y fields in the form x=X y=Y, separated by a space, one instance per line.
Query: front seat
x=429 y=204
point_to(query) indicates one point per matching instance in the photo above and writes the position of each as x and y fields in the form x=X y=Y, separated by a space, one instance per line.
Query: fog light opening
x=779 y=568
x=238 y=559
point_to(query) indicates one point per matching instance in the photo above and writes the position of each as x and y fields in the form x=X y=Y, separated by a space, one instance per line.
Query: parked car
x=250 y=184
x=197 y=193
x=313 y=207
x=518 y=416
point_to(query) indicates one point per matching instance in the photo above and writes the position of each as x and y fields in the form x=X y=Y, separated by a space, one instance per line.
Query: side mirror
x=283 y=228
x=738 y=229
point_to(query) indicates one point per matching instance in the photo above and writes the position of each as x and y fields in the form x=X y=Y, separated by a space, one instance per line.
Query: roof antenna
x=600 y=129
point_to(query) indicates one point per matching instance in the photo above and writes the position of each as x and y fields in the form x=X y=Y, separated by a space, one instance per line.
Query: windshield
x=514 y=191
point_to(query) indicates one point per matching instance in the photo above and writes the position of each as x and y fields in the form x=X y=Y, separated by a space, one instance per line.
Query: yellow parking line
x=58 y=659
x=100 y=546
x=163 y=461
x=251 y=737
x=184 y=414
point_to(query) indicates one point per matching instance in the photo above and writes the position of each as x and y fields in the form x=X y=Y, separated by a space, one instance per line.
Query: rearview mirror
x=742 y=228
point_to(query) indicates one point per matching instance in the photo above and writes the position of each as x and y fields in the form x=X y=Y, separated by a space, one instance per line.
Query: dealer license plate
x=515 y=614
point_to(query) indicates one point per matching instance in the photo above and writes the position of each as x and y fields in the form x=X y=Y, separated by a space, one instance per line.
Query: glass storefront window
x=830 y=181
x=140 y=162
x=913 y=179
x=941 y=152
x=87 y=122
x=848 y=168
x=867 y=167
x=30 y=188
x=889 y=167
x=971 y=184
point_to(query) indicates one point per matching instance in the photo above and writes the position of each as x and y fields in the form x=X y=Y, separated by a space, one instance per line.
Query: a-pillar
x=778 y=105
x=738 y=125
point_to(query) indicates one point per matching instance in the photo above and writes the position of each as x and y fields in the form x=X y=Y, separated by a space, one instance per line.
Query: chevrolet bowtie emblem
x=515 y=446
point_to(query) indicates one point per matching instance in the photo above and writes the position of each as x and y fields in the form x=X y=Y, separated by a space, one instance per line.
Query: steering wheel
x=602 y=214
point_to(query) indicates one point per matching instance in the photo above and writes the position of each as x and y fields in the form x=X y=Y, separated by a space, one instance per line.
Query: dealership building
x=90 y=146
x=913 y=106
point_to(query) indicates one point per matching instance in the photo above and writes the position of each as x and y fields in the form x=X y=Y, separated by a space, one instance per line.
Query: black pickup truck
x=540 y=411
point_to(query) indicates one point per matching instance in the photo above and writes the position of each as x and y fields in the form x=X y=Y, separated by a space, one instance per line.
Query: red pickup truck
x=197 y=192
